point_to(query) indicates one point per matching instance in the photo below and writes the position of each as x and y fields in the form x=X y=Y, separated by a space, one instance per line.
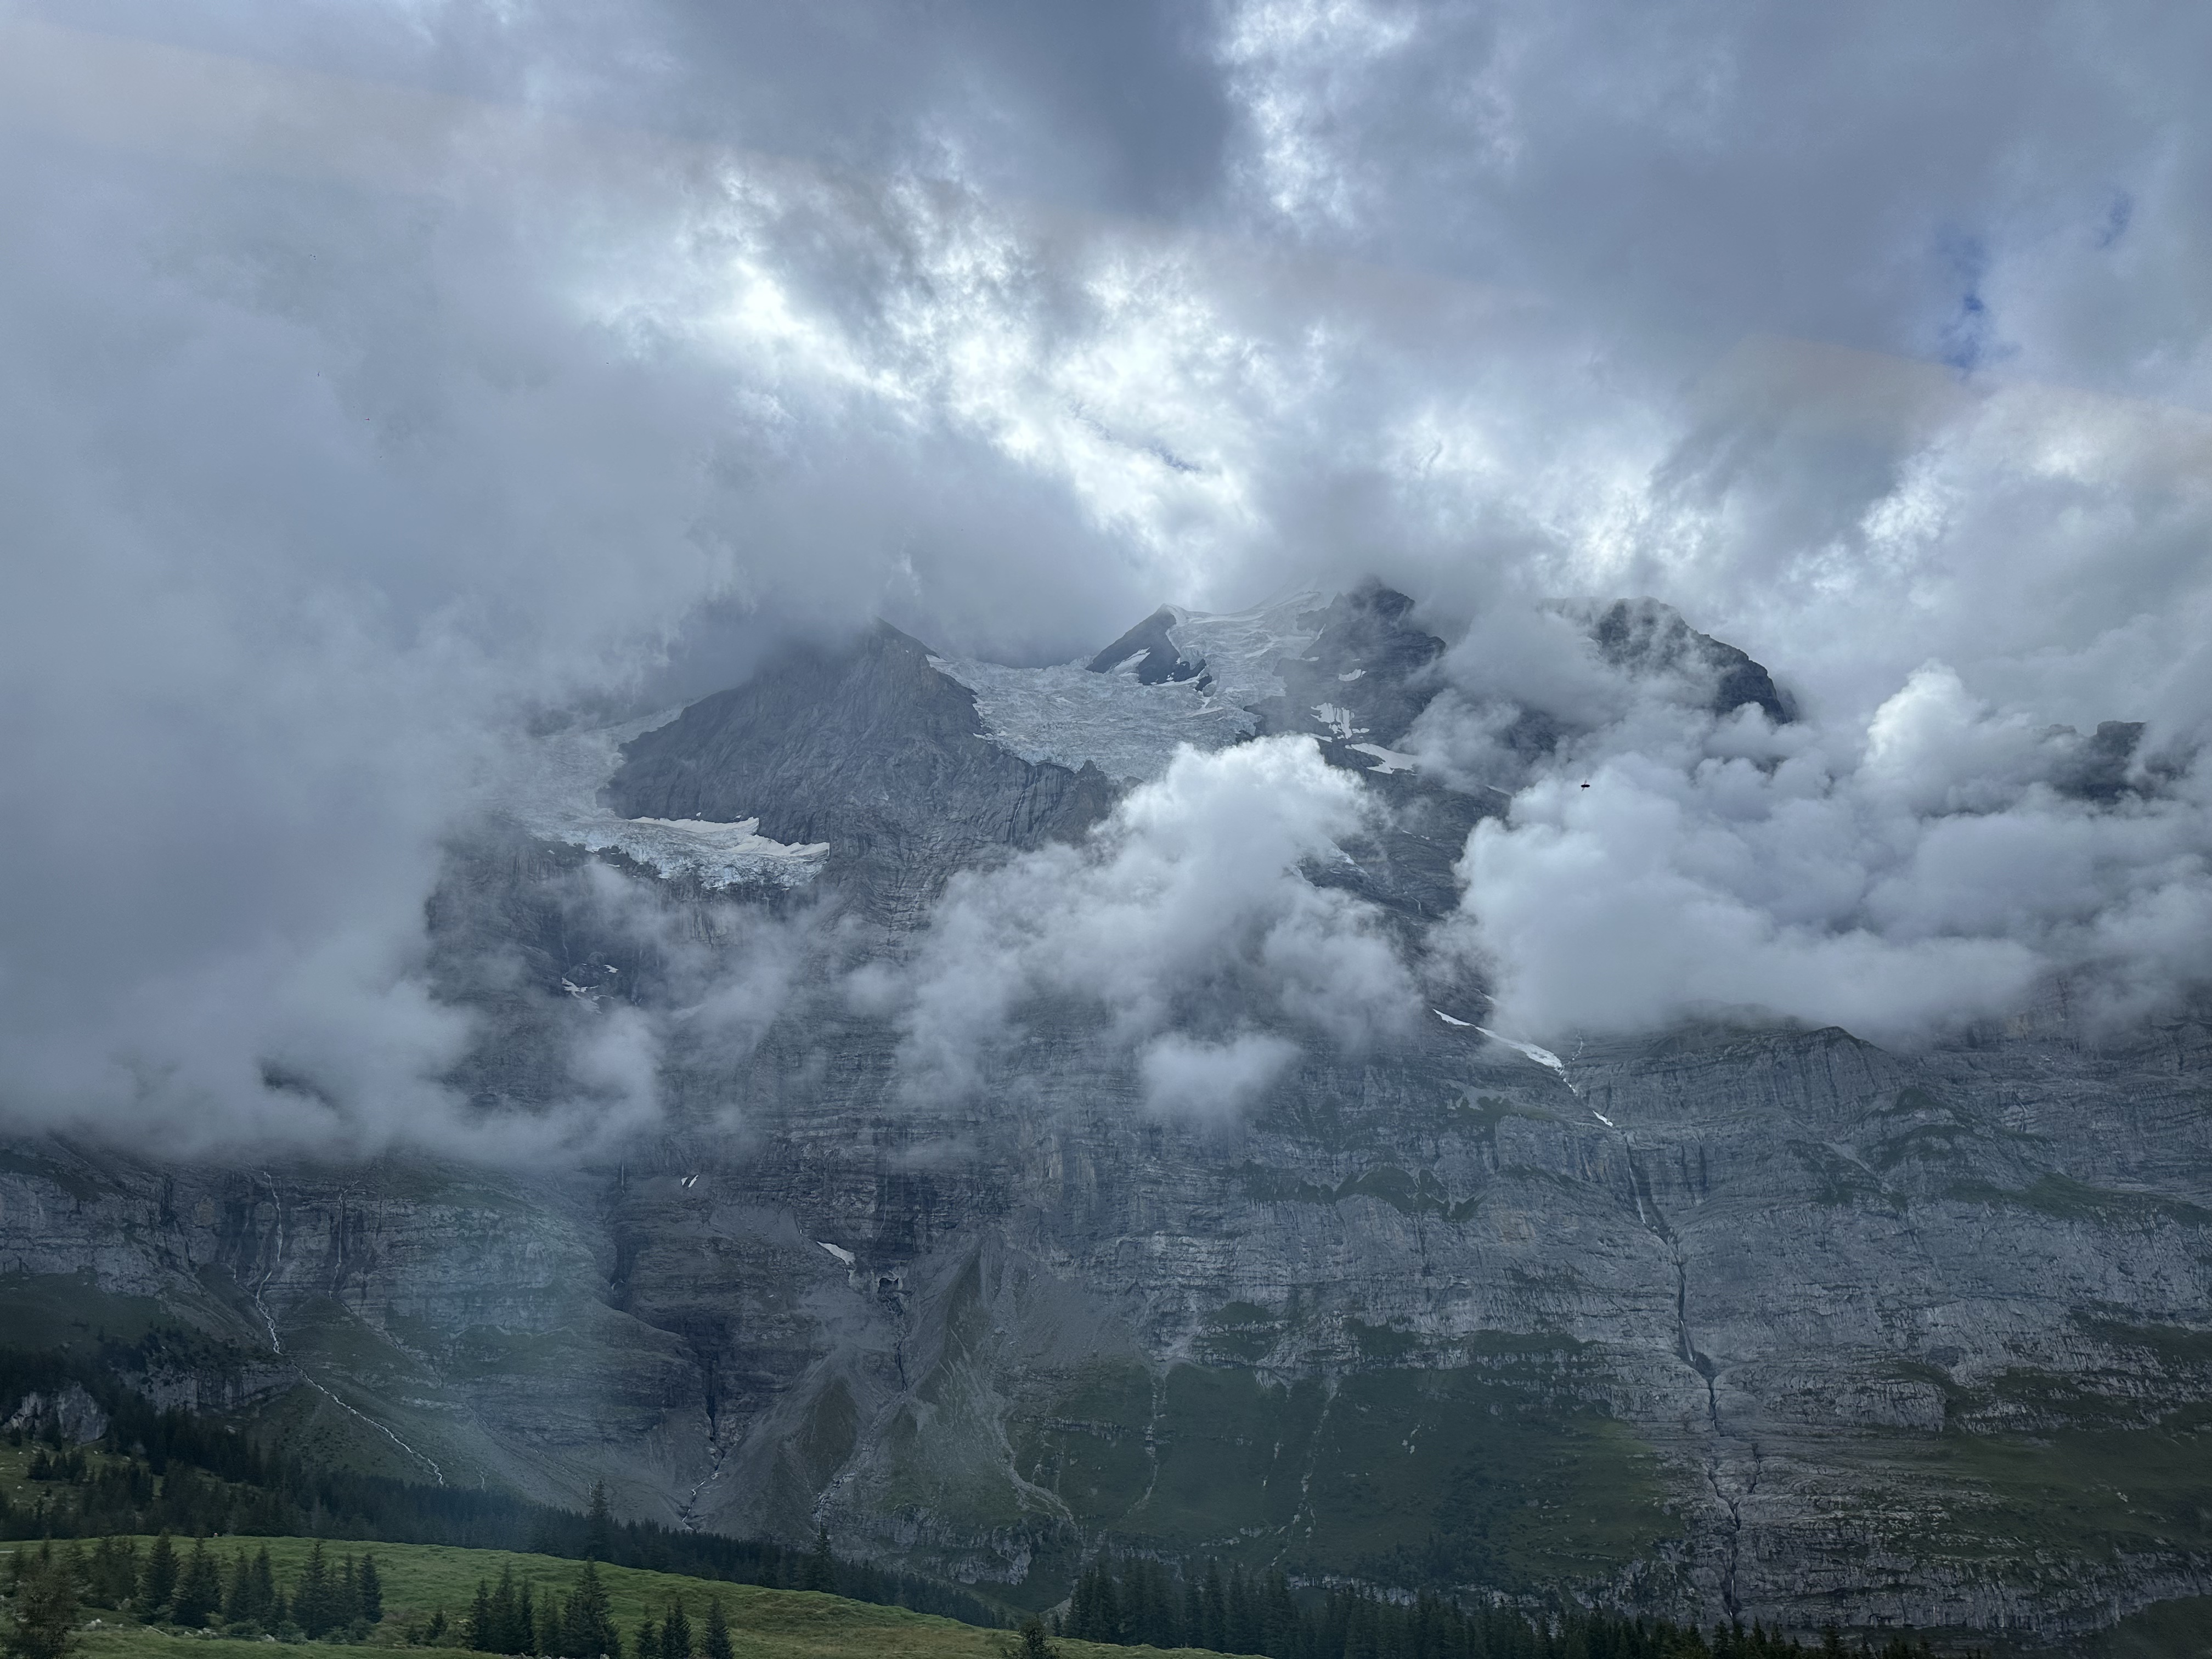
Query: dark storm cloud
x=380 y=377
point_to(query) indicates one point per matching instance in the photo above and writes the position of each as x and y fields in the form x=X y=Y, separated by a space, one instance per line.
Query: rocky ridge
x=1739 y=1321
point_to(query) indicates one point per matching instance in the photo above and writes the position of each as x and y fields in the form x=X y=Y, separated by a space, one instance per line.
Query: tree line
x=154 y=1471
x=199 y=1589
x=508 y=1618
x=1138 y=1601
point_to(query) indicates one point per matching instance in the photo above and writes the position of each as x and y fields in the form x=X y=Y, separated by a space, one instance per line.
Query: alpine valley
x=1738 y=1320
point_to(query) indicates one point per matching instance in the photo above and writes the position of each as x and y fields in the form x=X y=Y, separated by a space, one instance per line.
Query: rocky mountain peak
x=1645 y=637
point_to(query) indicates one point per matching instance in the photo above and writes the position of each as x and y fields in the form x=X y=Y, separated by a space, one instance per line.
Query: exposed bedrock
x=1811 y=1331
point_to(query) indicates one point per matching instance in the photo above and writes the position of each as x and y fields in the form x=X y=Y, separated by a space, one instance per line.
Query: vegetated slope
x=422 y=1581
x=437 y=1597
x=148 y=1471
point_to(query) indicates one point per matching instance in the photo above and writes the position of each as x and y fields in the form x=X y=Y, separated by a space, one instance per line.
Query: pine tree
x=717 y=1644
x=479 y=1628
x=313 y=1599
x=1034 y=1644
x=1212 y=1613
x=238 y=1589
x=44 y=1625
x=368 y=1591
x=114 y=1573
x=648 y=1639
x=159 y=1582
x=676 y=1632
x=268 y=1607
x=1156 y=1608
x=821 y=1565
x=199 y=1588
x=510 y=1611
x=599 y=1527
x=1280 y=1623
x=587 y=1624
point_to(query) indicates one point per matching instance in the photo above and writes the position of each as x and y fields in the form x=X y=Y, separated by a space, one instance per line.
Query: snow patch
x=1340 y=722
x=1065 y=714
x=558 y=798
x=1387 y=760
x=1462 y=1024
x=1541 y=1056
x=1243 y=648
x=837 y=1250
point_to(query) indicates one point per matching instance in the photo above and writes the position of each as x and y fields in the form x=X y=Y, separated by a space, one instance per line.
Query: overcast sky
x=376 y=377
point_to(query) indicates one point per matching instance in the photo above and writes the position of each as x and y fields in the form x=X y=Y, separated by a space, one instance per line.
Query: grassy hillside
x=2171 y=1630
x=419 y=1579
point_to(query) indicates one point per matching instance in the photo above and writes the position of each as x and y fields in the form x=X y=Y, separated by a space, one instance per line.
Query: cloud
x=1210 y=1080
x=379 y=378
x=1941 y=868
x=1186 y=913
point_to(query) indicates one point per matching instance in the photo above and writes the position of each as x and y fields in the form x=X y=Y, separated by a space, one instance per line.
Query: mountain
x=1736 y=1320
x=870 y=750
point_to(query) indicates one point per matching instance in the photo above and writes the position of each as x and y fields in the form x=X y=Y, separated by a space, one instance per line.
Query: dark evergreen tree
x=199 y=1587
x=238 y=1589
x=368 y=1592
x=675 y=1632
x=268 y=1605
x=315 y=1599
x=112 y=1573
x=647 y=1641
x=587 y=1624
x=1237 y=1616
x=43 y=1622
x=717 y=1643
x=598 y=1525
x=1279 y=1622
x=479 y=1628
x=159 y=1582
x=821 y=1565
x=1034 y=1644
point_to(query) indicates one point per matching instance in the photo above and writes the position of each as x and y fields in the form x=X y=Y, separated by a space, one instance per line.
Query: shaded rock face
x=71 y=1412
x=870 y=750
x=1357 y=690
x=1647 y=637
x=1147 y=651
x=1761 y=1323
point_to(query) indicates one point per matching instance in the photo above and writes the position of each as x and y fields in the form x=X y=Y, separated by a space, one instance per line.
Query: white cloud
x=1925 y=873
x=1211 y=1081
x=1186 y=909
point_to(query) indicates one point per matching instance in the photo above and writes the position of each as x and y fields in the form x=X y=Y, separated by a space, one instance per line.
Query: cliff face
x=1767 y=1322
